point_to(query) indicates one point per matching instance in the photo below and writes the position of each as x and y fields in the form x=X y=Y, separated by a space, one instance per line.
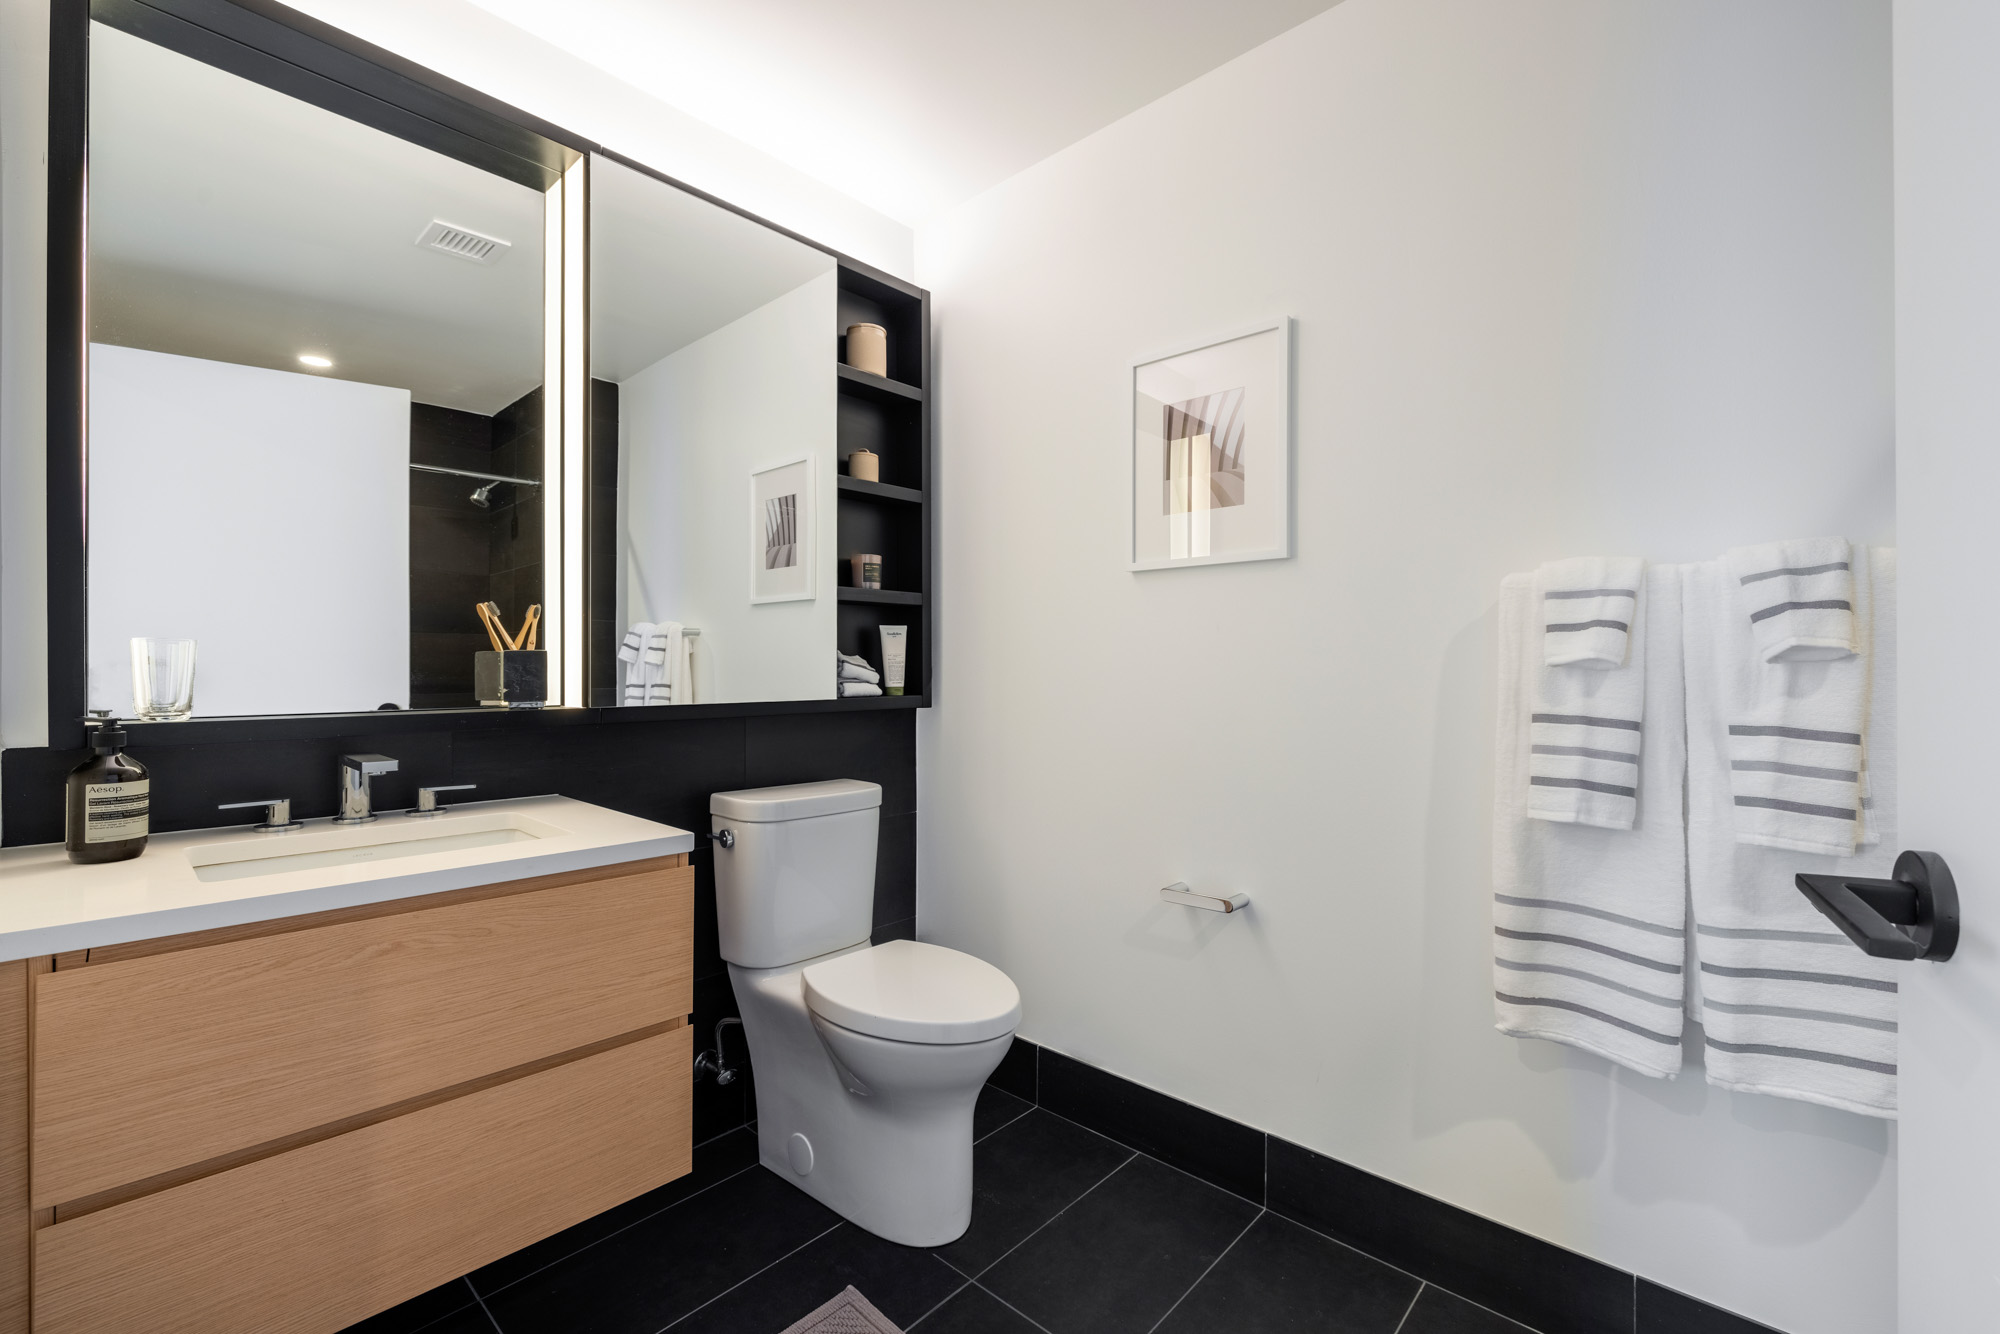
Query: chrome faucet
x=355 y=771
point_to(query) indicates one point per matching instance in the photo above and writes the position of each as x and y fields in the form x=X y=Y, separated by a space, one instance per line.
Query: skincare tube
x=895 y=641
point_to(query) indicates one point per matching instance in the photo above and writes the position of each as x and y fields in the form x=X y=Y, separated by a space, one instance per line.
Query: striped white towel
x=1788 y=1005
x=658 y=664
x=1588 y=605
x=850 y=668
x=632 y=656
x=1798 y=596
x=1588 y=922
x=1797 y=728
x=853 y=689
x=1587 y=722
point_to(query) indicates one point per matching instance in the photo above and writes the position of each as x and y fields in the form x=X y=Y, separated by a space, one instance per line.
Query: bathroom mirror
x=321 y=424
x=713 y=427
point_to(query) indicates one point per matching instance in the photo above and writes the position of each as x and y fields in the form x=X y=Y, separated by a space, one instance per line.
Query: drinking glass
x=163 y=680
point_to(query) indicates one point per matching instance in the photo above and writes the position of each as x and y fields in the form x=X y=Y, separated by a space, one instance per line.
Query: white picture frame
x=1211 y=450
x=784 y=532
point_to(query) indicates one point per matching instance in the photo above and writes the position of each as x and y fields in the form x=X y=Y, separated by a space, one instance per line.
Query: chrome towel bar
x=1178 y=892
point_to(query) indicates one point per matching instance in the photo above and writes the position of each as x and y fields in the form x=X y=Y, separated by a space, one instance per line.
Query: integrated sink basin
x=391 y=837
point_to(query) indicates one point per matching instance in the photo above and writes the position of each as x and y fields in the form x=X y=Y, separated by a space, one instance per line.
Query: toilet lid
x=906 y=991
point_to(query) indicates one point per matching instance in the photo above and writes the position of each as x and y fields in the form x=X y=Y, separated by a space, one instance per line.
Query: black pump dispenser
x=107 y=801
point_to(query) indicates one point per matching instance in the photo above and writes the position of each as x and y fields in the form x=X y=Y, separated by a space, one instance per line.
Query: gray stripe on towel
x=1586 y=752
x=1801 y=1054
x=1763 y=933
x=1585 y=720
x=1672 y=1040
x=1559 y=906
x=1593 y=593
x=1795 y=733
x=1671 y=1002
x=1794 y=570
x=1796 y=770
x=1567 y=626
x=1780 y=608
x=1553 y=939
x=1788 y=1012
x=1792 y=975
x=1797 y=807
x=1609 y=789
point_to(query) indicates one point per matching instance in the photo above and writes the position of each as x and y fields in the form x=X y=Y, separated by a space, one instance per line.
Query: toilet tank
x=797 y=877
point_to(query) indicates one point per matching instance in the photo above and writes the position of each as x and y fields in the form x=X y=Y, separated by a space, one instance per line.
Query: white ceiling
x=667 y=268
x=909 y=106
x=231 y=222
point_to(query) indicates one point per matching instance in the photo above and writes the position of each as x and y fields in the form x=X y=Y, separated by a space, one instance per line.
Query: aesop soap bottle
x=108 y=799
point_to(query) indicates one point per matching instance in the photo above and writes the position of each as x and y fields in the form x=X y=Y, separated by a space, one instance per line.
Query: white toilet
x=868 y=1059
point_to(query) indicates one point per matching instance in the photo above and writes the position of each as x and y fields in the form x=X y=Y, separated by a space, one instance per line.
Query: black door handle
x=1911 y=915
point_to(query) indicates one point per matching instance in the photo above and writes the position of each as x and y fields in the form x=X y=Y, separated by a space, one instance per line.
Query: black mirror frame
x=305 y=58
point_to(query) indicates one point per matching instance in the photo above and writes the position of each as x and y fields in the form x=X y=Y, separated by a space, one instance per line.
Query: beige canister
x=868 y=348
x=864 y=465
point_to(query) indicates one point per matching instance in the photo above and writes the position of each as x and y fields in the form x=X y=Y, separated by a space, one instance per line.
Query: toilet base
x=883 y=1133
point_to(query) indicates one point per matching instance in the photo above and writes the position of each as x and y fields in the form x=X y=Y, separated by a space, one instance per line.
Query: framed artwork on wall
x=783 y=531
x=1212 y=451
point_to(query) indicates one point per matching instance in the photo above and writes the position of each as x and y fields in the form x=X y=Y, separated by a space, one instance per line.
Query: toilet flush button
x=800 y=1150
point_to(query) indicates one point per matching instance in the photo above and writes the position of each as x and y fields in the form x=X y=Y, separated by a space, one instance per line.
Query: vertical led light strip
x=555 y=624
x=576 y=403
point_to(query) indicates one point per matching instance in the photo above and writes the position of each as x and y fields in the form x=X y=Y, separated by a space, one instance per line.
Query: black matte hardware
x=1911 y=915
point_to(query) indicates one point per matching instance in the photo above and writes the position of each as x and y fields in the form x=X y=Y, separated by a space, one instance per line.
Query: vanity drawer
x=319 y=1237
x=151 y=1064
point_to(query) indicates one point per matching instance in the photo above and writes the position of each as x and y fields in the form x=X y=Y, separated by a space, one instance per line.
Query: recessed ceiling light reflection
x=316 y=361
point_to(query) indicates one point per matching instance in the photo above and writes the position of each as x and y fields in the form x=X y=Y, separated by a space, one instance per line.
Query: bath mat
x=849 y=1313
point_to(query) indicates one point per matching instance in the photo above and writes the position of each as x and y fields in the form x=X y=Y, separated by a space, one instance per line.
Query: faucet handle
x=277 y=814
x=427 y=802
x=369 y=765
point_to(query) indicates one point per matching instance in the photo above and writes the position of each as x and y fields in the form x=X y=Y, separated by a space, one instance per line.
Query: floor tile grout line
x=1411 y=1307
x=685 y=1315
x=988 y=1267
x=1370 y=1255
x=1261 y=1211
x=1171 y=1167
x=486 y=1310
x=569 y=1255
x=1004 y=1124
x=1010 y=1306
x=947 y=1297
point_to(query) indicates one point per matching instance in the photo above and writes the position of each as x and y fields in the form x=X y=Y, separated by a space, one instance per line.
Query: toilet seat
x=907 y=991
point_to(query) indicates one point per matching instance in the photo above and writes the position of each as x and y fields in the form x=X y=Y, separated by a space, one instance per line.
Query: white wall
x=263 y=514
x=1948 y=481
x=692 y=427
x=1569 y=278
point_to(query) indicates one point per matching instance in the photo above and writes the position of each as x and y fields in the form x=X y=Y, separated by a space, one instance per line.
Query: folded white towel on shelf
x=1589 y=922
x=1797 y=728
x=1799 y=598
x=1586 y=723
x=658 y=664
x=1588 y=606
x=1788 y=1005
x=850 y=689
x=852 y=668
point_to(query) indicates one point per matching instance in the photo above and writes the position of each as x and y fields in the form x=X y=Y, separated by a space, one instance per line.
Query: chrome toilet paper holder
x=1178 y=892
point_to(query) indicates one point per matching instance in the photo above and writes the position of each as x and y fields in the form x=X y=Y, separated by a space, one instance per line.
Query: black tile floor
x=1071 y=1233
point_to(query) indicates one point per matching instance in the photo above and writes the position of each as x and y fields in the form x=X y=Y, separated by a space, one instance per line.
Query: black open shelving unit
x=890 y=415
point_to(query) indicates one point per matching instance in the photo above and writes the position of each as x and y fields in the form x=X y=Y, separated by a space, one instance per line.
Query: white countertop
x=49 y=905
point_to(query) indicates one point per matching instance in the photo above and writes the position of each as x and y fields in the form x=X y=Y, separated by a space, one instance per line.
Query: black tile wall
x=1664 y=1311
x=460 y=554
x=661 y=770
x=603 y=525
x=1490 y=1279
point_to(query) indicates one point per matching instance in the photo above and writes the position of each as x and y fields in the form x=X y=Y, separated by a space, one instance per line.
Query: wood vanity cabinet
x=292 y=1125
